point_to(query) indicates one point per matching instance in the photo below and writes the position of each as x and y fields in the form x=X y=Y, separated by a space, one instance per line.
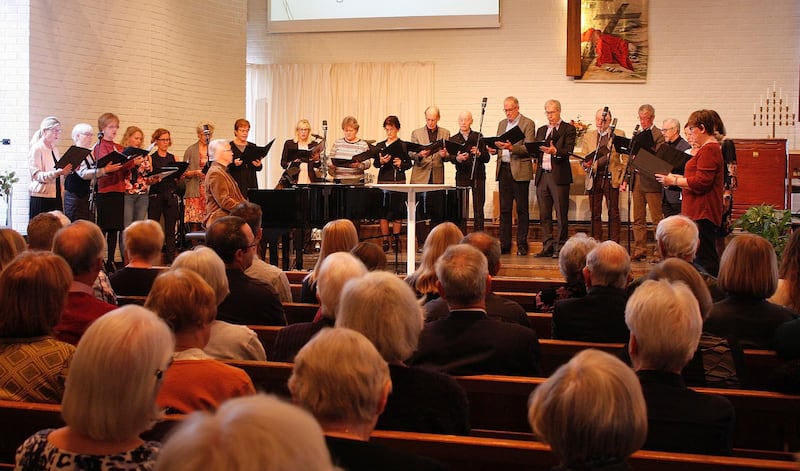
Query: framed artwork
x=613 y=43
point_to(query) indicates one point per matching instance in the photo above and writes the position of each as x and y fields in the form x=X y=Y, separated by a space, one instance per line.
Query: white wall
x=155 y=63
x=704 y=54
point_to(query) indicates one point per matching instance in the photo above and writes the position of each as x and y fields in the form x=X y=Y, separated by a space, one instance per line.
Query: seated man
x=42 y=229
x=467 y=342
x=665 y=324
x=249 y=301
x=82 y=245
x=344 y=382
x=571 y=260
x=335 y=271
x=497 y=307
x=600 y=315
x=261 y=270
x=143 y=241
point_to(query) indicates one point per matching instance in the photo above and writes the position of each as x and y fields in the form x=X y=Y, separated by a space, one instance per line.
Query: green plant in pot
x=775 y=225
x=7 y=180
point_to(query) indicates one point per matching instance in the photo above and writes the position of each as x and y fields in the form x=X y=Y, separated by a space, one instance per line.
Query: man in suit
x=671 y=197
x=497 y=307
x=646 y=190
x=467 y=341
x=474 y=158
x=606 y=168
x=428 y=166
x=665 y=324
x=553 y=177
x=514 y=173
x=600 y=315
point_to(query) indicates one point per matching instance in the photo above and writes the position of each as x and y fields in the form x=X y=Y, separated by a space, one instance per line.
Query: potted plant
x=772 y=224
x=7 y=180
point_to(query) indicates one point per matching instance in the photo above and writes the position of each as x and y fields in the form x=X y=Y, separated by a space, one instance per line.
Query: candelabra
x=773 y=112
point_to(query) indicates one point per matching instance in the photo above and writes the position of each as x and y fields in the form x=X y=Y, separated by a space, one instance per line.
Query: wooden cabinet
x=762 y=172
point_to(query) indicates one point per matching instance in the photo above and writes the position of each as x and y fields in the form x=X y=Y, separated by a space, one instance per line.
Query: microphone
x=636 y=130
x=613 y=126
x=483 y=105
x=100 y=135
x=206 y=131
x=605 y=113
x=325 y=125
x=316 y=136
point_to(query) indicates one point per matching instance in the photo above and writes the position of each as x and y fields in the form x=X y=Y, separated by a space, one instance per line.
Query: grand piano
x=298 y=209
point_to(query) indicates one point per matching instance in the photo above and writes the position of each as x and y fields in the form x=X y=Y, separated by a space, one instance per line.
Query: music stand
x=411 y=208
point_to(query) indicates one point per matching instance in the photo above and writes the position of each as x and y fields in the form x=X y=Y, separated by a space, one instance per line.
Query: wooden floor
x=511 y=265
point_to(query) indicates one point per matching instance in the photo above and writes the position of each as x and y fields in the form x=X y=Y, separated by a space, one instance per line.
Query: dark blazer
x=439 y=403
x=286 y=163
x=685 y=421
x=390 y=173
x=497 y=307
x=597 y=317
x=648 y=183
x=464 y=169
x=748 y=322
x=355 y=455
x=565 y=143
x=521 y=163
x=293 y=337
x=469 y=343
x=250 y=302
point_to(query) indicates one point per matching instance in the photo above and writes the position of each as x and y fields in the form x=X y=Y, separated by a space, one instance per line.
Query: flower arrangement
x=580 y=127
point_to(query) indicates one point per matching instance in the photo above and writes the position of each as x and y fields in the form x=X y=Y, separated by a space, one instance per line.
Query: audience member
x=250 y=302
x=11 y=244
x=596 y=434
x=600 y=315
x=342 y=380
x=423 y=280
x=195 y=381
x=337 y=236
x=372 y=256
x=143 y=241
x=222 y=192
x=665 y=324
x=109 y=401
x=467 y=342
x=33 y=364
x=227 y=341
x=82 y=246
x=41 y=230
x=334 y=272
x=571 y=261
x=261 y=270
x=254 y=433
x=714 y=364
x=384 y=309
x=748 y=273
x=788 y=290
x=497 y=307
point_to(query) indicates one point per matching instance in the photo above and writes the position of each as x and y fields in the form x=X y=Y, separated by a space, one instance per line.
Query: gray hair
x=251 y=433
x=646 y=108
x=206 y=263
x=462 y=270
x=79 y=129
x=385 y=309
x=572 y=257
x=554 y=102
x=677 y=236
x=665 y=323
x=609 y=265
x=336 y=270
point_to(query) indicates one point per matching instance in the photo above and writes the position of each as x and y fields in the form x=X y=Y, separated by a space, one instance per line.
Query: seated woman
x=227 y=341
x=599 y=434
x=143 y=241
x=571 y=261
x=788 y=291
x=342 y=380
x=423 y=281
x=748 y=273
x=11 y=244
x=337 y=236
x=252 y=433
x=33 y=292
x=113 y=380
x=383 y=308
x=195 y=380
x=370 y=255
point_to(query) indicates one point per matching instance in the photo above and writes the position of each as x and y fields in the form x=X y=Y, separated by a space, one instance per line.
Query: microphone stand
x=480 y=135
x=628 y=175
x=93 y=186
x=324 y=154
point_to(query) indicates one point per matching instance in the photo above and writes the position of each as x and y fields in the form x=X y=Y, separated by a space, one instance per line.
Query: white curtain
x=278 y=95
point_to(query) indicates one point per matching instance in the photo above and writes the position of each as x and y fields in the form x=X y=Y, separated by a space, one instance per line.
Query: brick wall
x=704 y=54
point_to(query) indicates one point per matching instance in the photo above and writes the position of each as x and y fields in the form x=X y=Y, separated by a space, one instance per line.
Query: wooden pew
x=473 y=453
x=297 y=289
x=542 y=323
x=526 y=300
x=557 y=352
x=299 y=312
x=267 y=376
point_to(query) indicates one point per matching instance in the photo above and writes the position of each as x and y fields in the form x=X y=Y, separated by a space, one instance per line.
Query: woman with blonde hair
x=748 y=274
x=46 y=186
x=115 y=374
x=298 y=170
x=197 y=157
x=137 y=186
x=337 y=236
x=424 y=279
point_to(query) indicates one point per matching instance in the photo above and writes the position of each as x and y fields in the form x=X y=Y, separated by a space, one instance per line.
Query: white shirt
x=547 y=164
x=505 y=156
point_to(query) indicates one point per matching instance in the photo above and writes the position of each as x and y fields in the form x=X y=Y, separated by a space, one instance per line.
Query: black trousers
x=478 y=187
x=166 y=205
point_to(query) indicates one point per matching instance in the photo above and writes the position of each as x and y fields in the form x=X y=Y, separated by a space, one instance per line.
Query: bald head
x=464 y=121
x=82 y=245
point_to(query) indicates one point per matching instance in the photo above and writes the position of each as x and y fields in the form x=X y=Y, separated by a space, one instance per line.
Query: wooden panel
x=762 y=174
x=574 y=38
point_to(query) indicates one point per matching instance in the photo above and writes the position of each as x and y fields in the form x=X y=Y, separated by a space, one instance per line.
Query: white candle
x=780 y=93
x=754 y=108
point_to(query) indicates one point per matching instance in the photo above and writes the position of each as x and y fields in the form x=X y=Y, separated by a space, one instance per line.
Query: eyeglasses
x=508 y=110
x=248 y=247
x=304 y=129
x=164 y=140
x=160 y=372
